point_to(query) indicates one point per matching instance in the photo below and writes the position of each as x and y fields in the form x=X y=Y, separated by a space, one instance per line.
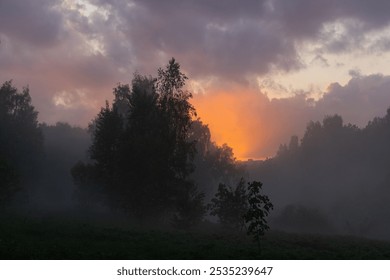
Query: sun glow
x=221 y=113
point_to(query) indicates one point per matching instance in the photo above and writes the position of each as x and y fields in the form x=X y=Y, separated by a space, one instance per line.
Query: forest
x=146 y=169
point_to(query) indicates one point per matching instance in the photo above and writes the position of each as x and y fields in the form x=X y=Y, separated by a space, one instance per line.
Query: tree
x=230 y=205
x=177 y=115
x=21 y=140
x=258 y=211
x=9 y=181
x=144 y=166
x=157 y=148
x=142 y=149
x=190 y=208
x=213 y=164
x=106 y=130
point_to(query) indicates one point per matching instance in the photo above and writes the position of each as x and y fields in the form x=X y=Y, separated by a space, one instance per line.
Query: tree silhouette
x=106 y=130
x=9 y=181
x=230 y=205
x=258 y=211
x=20 y=139
x=213 y=164
x=141 y=152
x=177 y=114
x=190 y=208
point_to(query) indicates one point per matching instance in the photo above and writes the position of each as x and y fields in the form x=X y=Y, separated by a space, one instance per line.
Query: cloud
x=359 y=101
x=36 y=23
x=305 y=18
x=226 y=39
x=239 y=40
x=320 y=60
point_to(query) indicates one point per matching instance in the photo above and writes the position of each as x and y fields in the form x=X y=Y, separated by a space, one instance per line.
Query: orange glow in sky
x=223 y=112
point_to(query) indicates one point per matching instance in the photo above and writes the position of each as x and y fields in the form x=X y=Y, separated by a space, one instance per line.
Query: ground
x=51 y=238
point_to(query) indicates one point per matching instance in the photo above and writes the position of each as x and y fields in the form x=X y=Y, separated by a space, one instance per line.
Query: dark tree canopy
x=258 y=210
x=20 y=139
x=213 y=164
x=141 y=150
x=230 y=205
x=9 y=181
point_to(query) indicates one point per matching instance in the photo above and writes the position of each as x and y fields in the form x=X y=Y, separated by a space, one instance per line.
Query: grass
x=64 y=239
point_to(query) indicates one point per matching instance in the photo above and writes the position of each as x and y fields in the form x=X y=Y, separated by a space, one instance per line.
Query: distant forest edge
x=149 y=159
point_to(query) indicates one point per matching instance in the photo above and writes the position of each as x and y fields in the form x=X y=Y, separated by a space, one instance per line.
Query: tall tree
x=142 y=149
x=20 y=138
x=258 y=211
x=213 y=164
x=106 y=132
x=178 y=114
x=9 y=181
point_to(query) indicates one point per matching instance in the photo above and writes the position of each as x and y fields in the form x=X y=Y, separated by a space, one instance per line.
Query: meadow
x=46 y=239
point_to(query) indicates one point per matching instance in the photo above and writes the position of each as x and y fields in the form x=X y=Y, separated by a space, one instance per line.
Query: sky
x=259 y=70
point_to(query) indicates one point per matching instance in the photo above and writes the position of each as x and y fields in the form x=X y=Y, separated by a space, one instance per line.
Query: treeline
x=335 y=179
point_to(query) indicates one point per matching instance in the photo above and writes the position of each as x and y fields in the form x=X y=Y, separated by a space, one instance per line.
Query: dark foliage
x=141 y=153
x=190 y=208
x=21 y=141
x=230 y=205
x=9 y=181
x=258 y=210
x=212 y=163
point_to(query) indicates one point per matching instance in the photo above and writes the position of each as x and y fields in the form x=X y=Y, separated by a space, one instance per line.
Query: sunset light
x=221 y=113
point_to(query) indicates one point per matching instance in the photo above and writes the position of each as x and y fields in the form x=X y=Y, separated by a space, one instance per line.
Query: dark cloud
x=229 y=39
x=304 y=18
x=374 y=14
x=32 y=22
x=359 y=101
x=237 y=39
x=217 y=38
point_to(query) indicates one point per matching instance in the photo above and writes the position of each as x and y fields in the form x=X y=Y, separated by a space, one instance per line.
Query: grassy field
x=53 y=239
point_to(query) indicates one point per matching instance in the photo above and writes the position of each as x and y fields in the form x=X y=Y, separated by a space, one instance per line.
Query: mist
x=64 y=145
x=333 y=180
